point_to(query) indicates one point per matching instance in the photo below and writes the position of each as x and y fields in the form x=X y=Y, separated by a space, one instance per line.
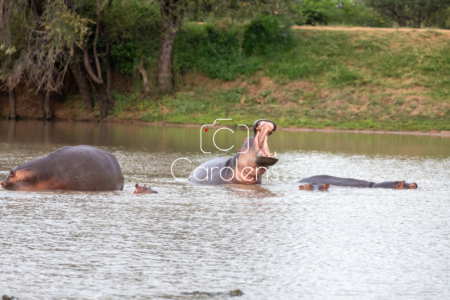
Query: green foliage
x=344 y=12
x=218 y=51
x=211 y=50
x=136 y=33
x=264 y=32
x=441 y=19
x=125 y=56
x=409 y=13
x=65 y=27
x=354 y=83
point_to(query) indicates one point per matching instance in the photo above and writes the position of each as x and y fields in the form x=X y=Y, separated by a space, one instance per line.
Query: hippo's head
x=144 y=190
x=310 y=187
x=402 y=185
x=255 y=157
x=20 y=180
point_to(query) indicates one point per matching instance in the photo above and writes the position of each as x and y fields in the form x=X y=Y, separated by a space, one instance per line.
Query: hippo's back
x=86 y=168
x=336 y=181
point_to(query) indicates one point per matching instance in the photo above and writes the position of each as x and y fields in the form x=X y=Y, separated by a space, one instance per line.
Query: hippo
x=245 y=167
x=312 y=187
x=144 y=190
x=326 y=179
x=235 y=293
x=77 y=168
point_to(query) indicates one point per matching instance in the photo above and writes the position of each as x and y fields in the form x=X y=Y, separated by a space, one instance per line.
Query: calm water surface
x=271 y=241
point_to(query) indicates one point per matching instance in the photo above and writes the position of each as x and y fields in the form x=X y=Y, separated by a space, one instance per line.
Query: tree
x=411 y=13
x=173 y=12
x=38 y=53
x=101 y=88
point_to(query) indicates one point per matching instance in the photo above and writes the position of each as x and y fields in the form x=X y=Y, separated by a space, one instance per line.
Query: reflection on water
x=176 y=139
x=270 y=241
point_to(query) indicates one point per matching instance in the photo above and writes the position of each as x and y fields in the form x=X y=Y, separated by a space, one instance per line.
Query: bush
x=227 y=51
x=210 y=50
x=136 y=32
x=345 y=12
x=125 y=56
x=264 y=32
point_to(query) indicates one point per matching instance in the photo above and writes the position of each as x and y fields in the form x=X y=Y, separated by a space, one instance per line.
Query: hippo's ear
x=400 y=185
x=145 y=186
x=137 y=185
x=12 y=174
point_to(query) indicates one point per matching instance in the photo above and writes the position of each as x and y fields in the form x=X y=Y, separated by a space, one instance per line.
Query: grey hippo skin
x=78 y=168
x=245 y=167
x=322 y=179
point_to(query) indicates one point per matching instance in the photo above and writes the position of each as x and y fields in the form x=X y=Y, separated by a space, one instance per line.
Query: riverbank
x=372 y=80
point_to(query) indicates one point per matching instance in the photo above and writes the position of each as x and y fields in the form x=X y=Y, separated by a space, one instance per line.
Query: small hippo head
x=19 y=180
x=310 y=187
x=402 y=185
x=144 y=190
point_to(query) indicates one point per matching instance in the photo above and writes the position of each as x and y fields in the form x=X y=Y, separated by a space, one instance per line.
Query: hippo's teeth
x=275 y=154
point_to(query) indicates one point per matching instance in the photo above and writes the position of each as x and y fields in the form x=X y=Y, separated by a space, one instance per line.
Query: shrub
x=264 y=32
x=227 y=51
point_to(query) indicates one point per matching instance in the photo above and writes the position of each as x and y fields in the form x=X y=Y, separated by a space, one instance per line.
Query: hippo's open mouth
x=262 y=130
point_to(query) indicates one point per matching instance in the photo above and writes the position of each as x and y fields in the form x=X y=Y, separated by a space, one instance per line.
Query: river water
x=270 y=241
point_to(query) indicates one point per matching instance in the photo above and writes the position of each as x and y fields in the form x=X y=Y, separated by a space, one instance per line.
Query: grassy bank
x=309 y=78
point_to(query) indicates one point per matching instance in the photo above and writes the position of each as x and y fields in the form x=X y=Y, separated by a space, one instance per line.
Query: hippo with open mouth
x=245 y=167
x=350 y=182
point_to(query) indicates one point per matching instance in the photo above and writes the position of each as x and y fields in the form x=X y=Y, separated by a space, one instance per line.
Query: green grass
x=348 y=80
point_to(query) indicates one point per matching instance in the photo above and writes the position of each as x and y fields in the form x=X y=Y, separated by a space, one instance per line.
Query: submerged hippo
x=144 y=190
x=326 y=179
x=312 y=187
x=247 y=166
x=235 y=293
x=78 y=168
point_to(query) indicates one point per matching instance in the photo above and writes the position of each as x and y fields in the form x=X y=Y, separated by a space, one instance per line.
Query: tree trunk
x=80 y=77
x=147 y=88
x=165 y=77
x=172 y=12
x=40 y=98
x=108 y=78
x=102 y=99
x=12 y=103
x=48 y=111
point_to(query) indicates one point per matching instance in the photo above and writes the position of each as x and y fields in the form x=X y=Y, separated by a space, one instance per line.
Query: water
x=270 y=241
